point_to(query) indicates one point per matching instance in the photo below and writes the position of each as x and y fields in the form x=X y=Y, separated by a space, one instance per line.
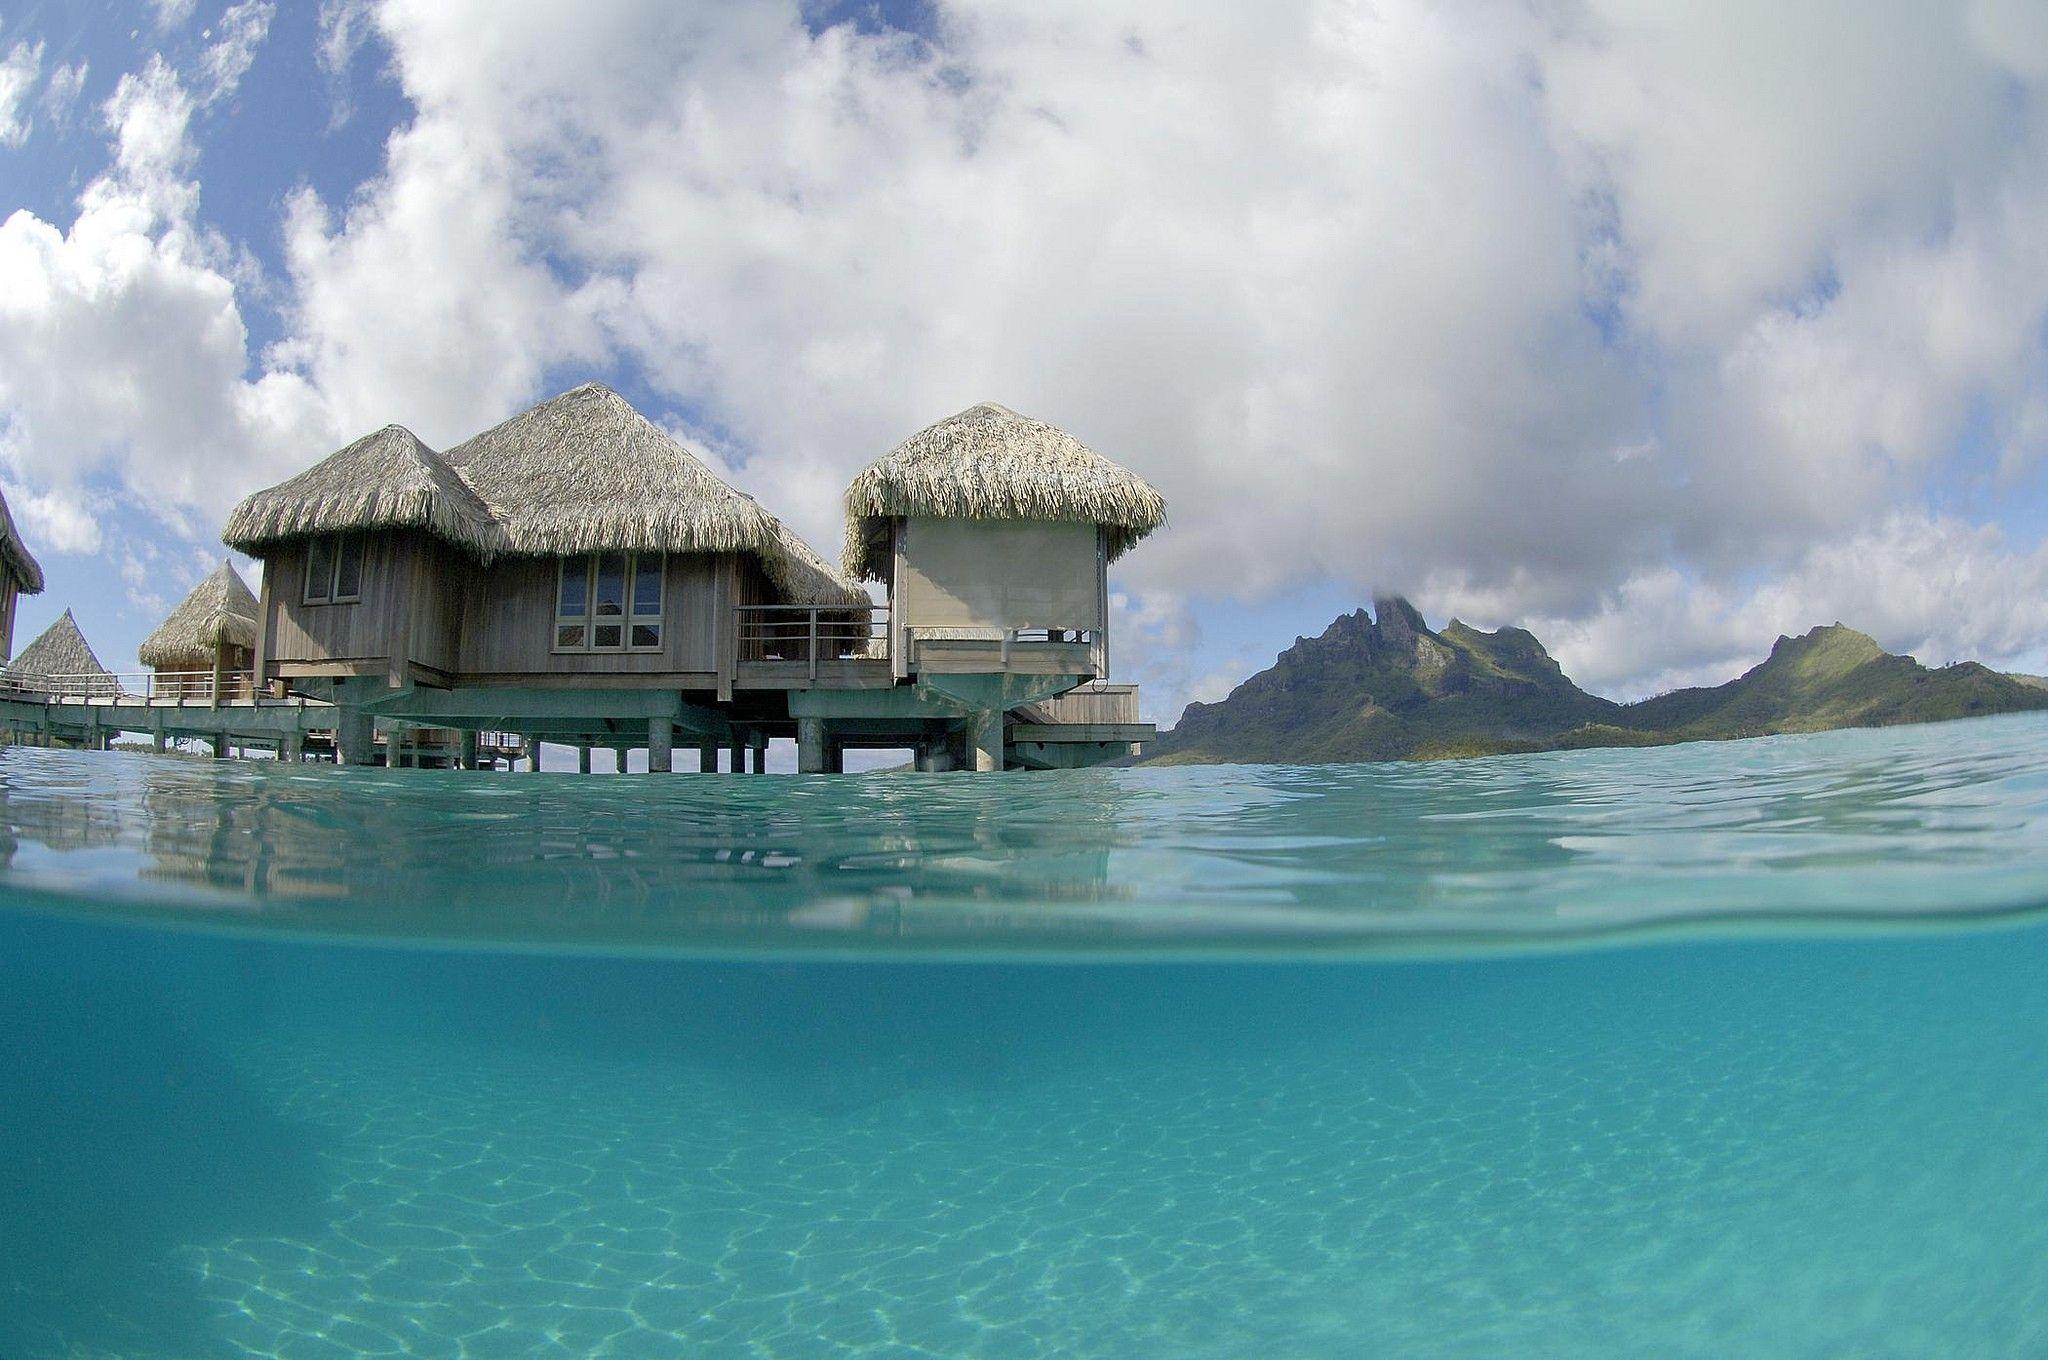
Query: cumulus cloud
x=1571 y=312
x=1544 y=294
x=62 y=520
x=123 y=351
x=1937 y=587
x=18 y=72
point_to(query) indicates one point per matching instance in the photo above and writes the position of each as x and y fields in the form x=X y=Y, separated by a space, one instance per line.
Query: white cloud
x=61 y=90
x=1558 y=310
x=345 y=28
x=18 y=72
x=171 y=13
x=63 y=520
x=122 y=347
x=1936 y=587
x=1543 y=297
x=241 y=32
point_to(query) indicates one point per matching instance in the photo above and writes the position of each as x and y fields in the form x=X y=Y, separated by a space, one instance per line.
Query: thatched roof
x=16 y=556
x=807 y=578
x=581 y=472
x=385 y=480
x=61 y=650
x=220 y=609
x=988 y=462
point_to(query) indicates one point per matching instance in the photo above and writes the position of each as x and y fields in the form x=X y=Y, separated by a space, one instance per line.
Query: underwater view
x=1720 y=1049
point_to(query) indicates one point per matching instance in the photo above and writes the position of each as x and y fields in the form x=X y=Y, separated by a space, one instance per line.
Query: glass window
x=319 y=570
x=647 y=586
x=611 y=585
x=608 y=602
x=348 y=568
x=574 y=597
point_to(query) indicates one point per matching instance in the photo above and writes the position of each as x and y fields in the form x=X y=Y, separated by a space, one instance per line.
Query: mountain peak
x=1832 y=649
x=1384 y=687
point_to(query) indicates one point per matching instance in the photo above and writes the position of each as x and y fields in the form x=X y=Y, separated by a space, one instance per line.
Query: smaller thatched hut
x=994 y=530
x=207 y=647
x=20 y=574
x=62 y=662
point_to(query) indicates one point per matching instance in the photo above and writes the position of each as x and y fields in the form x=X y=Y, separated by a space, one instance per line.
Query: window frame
x=337 y=547
x=629 y=617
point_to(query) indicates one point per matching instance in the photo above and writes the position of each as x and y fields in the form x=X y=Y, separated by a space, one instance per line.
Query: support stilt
x=985 y=734
x=661 y=741
x=355 y=737
x=812 y=755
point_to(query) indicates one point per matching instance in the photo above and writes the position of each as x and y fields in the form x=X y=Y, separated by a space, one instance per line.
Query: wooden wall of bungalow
x=428 y=612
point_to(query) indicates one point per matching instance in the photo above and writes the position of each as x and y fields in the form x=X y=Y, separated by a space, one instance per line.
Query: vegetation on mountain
x=1387 y=687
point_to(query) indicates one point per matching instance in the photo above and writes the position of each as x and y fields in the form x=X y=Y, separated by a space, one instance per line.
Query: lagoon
x=1721 y=1049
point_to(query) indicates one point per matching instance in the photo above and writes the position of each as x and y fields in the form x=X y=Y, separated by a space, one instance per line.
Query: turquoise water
x=1706 y=1051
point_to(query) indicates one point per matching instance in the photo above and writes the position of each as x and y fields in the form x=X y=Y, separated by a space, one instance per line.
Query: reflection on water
x=1945 y=821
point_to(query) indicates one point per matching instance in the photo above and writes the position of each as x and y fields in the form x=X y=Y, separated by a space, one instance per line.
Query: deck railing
x=131 y=687
x=811 y=634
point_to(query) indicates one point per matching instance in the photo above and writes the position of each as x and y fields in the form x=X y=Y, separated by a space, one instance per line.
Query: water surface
x=1185 y=1063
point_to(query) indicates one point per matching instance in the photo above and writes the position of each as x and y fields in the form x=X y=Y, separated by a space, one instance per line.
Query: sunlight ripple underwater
x=1180 y=1063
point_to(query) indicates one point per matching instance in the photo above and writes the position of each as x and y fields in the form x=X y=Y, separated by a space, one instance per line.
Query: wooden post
x=707 y=758
x=355 y=737
x=465 y=754
x=811 y=743
x=583 y=757
x=739 y=753
x=661 y=739
x=759 y=762
x=533 y=755
x=985 y=734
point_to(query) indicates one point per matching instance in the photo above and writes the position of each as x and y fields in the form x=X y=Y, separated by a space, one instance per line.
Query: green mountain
x=1388 y=688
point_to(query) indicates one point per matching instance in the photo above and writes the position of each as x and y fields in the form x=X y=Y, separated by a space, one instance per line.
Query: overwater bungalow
x=574 y=575
x=61 y=661
x=20 y=574
x=207 y=647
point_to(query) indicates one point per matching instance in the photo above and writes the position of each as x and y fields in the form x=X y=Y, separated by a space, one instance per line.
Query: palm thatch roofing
x=800 y=573
x=385 y=480
x=988 y=462
x=221 y=610
x=60 y=650
x=14 y=554
x=581 y=472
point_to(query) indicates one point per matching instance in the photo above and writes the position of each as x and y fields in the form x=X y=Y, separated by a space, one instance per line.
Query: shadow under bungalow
x=575 y=576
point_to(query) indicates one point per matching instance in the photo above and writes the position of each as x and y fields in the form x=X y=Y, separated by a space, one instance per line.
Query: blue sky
x=1658 y=331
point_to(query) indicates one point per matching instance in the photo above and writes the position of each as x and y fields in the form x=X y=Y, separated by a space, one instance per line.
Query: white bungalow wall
x=998 y=574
